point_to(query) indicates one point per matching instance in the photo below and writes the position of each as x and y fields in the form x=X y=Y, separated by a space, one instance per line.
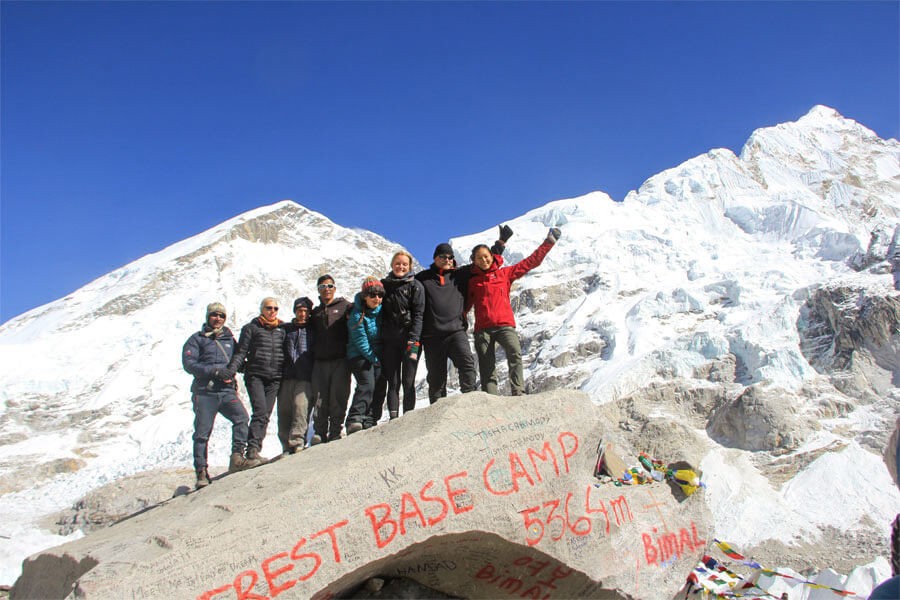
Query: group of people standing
x=305 y=365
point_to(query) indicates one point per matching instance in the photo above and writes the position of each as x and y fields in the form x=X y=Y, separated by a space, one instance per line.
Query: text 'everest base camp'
x=711 y=375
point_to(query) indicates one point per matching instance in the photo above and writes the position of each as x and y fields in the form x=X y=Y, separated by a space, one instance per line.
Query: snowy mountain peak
x=824 y=183
x=715 y=283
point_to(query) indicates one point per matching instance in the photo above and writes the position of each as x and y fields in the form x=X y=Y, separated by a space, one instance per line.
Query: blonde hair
x=402 y=253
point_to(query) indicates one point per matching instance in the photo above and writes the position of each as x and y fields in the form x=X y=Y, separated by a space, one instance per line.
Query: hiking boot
x=394 y=414
x=202 y=478
x=253 y=454
x=239 y=463
x=354 y=427
x=316 y=439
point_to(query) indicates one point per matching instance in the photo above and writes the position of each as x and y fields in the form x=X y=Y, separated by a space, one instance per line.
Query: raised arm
x=537 y=257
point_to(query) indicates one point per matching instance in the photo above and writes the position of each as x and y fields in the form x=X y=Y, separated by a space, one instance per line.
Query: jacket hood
x=223 y=335
x=391 y=277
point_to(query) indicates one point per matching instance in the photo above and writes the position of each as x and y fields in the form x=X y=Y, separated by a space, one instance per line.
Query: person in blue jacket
x=364 y=352
x=206 y=355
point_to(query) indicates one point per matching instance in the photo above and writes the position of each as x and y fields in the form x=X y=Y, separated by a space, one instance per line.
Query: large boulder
x=763 y=417
x=477 y=496
x=117 y=500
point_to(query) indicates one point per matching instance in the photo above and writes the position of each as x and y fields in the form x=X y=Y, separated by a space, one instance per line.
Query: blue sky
x=128 y=126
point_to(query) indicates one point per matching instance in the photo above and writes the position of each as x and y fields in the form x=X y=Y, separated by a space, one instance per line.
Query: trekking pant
x=376 y=410
x=438 y=349
x=365 y=374
x=331 y=390
x=399 y=371
x=485 y=345
x=294 y=403
x=206 y=406
x=263 y=393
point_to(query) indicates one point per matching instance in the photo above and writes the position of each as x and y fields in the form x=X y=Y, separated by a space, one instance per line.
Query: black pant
x=365 y=374
x=438 y=349
x=398 y=371
x=331 y=389
x=263 y=393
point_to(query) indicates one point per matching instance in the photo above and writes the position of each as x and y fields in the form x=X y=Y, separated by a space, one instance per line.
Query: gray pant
x=331 y=390
x=294 y=400
x=485 y=345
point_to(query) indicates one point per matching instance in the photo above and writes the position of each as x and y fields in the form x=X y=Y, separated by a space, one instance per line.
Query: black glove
x=554 y=234
x=506 y=232
x=225 y=374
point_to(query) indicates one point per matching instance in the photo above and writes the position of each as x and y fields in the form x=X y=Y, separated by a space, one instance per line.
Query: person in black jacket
x=401 y=317
x=444 y=323
x=206 y=355
x=295 y=394
x=331 y=371
x=260 y=355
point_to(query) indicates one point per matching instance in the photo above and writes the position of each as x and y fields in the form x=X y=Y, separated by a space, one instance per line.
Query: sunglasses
x=375 y=294
x=325 y=286
x=275 y=308
x=217 y=315
x=445 y=256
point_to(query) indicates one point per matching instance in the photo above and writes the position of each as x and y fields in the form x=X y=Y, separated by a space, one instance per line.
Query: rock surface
x=477 y=496
x=117 y=500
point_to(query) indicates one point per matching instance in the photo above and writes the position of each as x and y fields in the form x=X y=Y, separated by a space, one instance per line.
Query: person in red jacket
x=494 y=322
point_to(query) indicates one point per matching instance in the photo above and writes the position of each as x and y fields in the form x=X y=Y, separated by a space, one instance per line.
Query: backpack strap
x=222 y=348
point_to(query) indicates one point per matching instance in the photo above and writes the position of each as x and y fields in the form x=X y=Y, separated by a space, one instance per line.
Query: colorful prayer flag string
x=711 y=563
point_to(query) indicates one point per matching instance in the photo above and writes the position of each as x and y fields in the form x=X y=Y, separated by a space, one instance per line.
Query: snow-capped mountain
x=735 y=311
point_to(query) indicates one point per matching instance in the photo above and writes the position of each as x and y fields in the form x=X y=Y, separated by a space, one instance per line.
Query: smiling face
x=373 y=299
x=400 y=265
x=326 y=291
x=269 y=308
x=215 y=319
x=483 y=258
x=443 y=261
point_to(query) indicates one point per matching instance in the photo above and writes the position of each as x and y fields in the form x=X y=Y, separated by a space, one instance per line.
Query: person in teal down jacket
x=364 y=352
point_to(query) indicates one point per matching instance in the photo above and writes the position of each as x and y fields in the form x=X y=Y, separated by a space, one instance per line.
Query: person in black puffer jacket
x=401 y=315
x=295 y=394
x=206 y=355
x=260 y=355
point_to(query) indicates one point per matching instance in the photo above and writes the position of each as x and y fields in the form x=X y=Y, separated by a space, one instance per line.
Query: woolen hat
x=443 y=249
x=372 y=284
x=303 y=301
x=215 y=307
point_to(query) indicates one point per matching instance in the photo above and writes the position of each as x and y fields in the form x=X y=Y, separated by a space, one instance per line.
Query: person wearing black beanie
x=444 y=322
